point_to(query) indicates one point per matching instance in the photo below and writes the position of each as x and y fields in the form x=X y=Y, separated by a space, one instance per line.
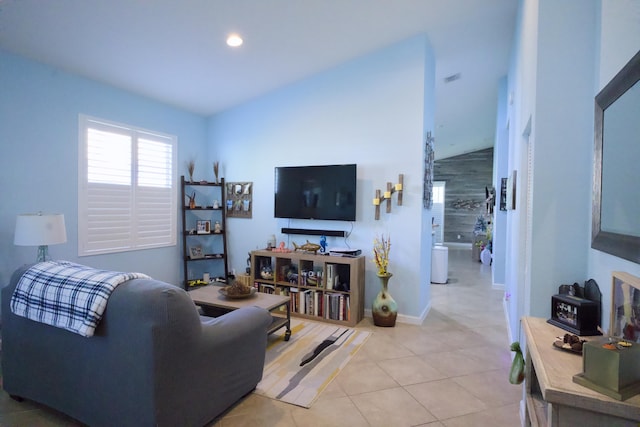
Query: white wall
x=370 y=111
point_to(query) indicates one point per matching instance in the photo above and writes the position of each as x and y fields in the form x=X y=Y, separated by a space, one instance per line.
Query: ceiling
x=174 y=51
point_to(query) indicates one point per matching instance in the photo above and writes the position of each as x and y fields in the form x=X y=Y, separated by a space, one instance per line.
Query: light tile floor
x=450 y=371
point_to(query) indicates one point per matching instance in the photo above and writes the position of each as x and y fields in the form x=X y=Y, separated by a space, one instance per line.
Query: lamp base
x=43 y=253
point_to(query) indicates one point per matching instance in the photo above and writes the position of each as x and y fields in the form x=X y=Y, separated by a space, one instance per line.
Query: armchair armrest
x=226 y=363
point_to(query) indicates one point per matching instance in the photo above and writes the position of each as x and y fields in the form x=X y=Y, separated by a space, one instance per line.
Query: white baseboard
x=499 y=286
x=506 y=318
x=458 y=245
x=403 y=318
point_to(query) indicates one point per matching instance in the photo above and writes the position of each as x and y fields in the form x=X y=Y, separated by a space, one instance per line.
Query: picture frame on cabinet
x=195 y=252
x=203 y=227
x=625 y=306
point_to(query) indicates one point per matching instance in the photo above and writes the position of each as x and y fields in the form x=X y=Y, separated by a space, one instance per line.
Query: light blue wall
x=500 y=170
x=429 y=104
x=562 y=140
x=618 y=41
x=550 y=137
x=39 y=107
x=564 y=53
x=521 y=91
x=372 y=111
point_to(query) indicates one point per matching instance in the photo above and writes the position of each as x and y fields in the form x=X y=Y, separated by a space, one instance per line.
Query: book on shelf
x=316 y=308
x=331 y=272
x=308 y=305
x=293 y=305
x=336 y=306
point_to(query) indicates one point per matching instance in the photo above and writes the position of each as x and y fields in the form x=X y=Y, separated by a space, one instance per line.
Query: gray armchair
x=153 y=361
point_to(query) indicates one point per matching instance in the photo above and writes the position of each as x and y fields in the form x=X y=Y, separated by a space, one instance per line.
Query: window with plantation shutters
x=127 y=188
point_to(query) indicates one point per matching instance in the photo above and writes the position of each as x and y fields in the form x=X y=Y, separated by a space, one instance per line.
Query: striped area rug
x=297 y=371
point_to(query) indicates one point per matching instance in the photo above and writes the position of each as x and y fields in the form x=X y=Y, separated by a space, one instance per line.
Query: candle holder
x=386 y=196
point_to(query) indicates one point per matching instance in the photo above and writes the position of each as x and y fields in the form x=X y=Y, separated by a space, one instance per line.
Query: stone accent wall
x=466 y=177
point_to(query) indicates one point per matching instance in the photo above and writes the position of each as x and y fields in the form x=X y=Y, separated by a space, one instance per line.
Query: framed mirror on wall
x=616 y=204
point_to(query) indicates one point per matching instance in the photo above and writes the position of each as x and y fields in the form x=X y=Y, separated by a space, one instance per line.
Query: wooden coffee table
x=212 y=303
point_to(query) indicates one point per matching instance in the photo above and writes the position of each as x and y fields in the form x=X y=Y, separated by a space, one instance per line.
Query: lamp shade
x=40 y=229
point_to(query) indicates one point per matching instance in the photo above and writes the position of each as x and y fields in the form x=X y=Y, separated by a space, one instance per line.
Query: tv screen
x=316 y=192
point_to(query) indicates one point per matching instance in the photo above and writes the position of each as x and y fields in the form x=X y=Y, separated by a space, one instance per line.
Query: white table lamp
x=40 y=230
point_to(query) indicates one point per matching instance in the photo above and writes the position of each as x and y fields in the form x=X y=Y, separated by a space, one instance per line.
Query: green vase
x=384 y=309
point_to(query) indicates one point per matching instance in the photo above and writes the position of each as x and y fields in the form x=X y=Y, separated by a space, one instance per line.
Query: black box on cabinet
x=577 y=315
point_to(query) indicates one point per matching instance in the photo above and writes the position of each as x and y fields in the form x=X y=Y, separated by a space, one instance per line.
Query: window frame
x=136 y=233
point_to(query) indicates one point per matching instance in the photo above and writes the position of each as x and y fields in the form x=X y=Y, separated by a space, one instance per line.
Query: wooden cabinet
x=552 y=398
x=204 y=241
x=321 y=287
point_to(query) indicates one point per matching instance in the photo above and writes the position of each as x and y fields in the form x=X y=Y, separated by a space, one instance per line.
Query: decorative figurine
x=266 y=273
x=323 y=244
x=307 y=247
x=217 y=228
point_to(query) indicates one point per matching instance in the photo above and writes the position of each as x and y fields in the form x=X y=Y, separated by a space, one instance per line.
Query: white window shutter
x=127 y=188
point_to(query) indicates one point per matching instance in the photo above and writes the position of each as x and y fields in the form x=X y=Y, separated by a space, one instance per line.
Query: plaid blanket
x=66 y=295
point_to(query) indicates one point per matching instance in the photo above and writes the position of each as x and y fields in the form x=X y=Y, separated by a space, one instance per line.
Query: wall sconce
x=40 y=230
x=381 y=197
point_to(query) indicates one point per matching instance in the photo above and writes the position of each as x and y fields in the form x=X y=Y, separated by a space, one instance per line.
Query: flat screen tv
x=316 y=192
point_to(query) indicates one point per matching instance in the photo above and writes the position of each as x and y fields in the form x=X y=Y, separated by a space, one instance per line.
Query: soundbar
x=336 y=233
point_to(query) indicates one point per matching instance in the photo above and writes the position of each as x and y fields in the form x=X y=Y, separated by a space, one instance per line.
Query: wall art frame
x=615 y=147
x=427 y=196
x=625 y=306
x=239 y=199
x=503 y=194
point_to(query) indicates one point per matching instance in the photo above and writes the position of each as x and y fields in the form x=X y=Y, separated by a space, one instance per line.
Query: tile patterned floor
x=451 y=371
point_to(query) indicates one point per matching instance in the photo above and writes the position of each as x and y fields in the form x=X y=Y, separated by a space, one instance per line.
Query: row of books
x=329 y=305
x=322 y=304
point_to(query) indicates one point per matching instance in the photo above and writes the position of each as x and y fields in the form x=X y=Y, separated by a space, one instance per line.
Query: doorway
x=438 y=211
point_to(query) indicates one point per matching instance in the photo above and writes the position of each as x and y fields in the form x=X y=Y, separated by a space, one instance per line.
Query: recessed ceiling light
x=234 y=40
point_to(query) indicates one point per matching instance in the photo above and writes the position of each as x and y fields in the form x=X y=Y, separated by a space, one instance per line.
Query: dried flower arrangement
x=381 y=248
x=216 y=166
x=191 y=167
